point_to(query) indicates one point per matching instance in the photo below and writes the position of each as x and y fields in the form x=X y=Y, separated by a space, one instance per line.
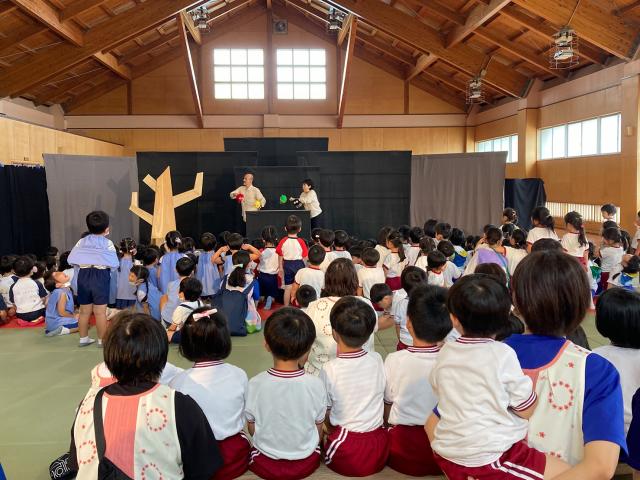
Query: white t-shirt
x=408 y=388
x=355 y=390
x=5 y=284
x=310 y=202
x=450 y=274
x=627 y=362
x=538 y=233
x=368 y=277
x=399 y=306
x=27 y=295
x=572 y=245
x=611 y=258
x=311 y=276
x=328 y=258
x=412 y=253
x=324 y=347
x=286 y=407
x=269 y=261
x=394 y=265
x=421 y=262
x=182 y=312
x=514 y=256
x=477 y=381
x=341 y=254
x=220 y=390
x=383 y=251
x=437 y=279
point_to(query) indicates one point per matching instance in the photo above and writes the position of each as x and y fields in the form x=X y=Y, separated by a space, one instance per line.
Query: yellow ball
x=258 y=204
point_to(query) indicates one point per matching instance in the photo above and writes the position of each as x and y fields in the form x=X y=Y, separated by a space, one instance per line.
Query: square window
x=223 y=91
x=301 y=91
x=255 y=74
x=285 y=74
x=256 y=91
x=285 y=91
x=301 y=57
x=239 y=91
x=255 y=57
x=318 y=91
x=238 y=57
x=238 y=73
x=222 y=74
x=301 y=74
x=222 y=56
x=318 y=74
x=284 y=57
x=317 y=57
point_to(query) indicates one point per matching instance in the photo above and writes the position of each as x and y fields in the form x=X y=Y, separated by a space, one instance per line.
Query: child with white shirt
x=268 y=267
x=291 y=252
x=28 y=295
x=482 y=434
x=219 y=388
x=312 y=274
x=413 y=250
x=171 y=299
x=443 y=232
x=575 y=241
x=286 y=407
x=611 y=254
x=7 y=278
x=371 y=274
x=357 y=444
x=629 y=277
x=451 y=272
x=436 y=263
x=543 y=226
x=408 y=395
x=190 y=292
x=412 y=278
x=396 y=260
x=326 y=238
x=381 y=246
x=341 y=245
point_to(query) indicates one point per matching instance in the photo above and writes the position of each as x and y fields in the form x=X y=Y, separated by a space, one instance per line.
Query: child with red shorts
x=408 y=397
x=285 y=406
x=479 y=427
x=357 y=444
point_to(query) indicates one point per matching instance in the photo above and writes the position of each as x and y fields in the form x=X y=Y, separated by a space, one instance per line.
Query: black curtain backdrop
x=25 y=210
x=524 y=194
x=214 y=211
x=279 y=151
x=362 y=191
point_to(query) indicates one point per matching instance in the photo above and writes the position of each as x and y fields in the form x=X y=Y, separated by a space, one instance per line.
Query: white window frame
x=566 y=139
x=248 y=65
x=512 y=153
x=293 y=82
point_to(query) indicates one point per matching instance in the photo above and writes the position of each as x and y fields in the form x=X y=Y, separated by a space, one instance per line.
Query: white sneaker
x=86 y=343
x=54 y=333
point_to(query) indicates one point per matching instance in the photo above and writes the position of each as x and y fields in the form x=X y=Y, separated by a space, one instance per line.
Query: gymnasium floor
x=44 y=379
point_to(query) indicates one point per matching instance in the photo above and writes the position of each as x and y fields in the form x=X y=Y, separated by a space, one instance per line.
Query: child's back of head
x=305 y=295
x=370 y=257
x=208 y=242
x=188 y=245
x=234 y=241
x=356 y=253
x=493 y=270
x=40 y=268
x=551 y=292
x=327 y=237
x=618 y=317
x=519 y=239
x=427 y=311
x=289 y=334
x=293 y=225
x=379 y=291
x=185 y=266
x=269 y=235
x=316 y=255
x=6 y=263
x=546 y=244
x=173 y=240
x=493 y=236
x=127 y=246
x=412 y=278
x=436 y=260
x=241 y=260
x=97 y=222
x=443 y=230
x=430 y=227
x=481 y=305
x=415 y=234
x=353 y=320
x=446 y=248
x=205 y=336
x=315 y=235
x=23 y=266
x=383 y=233
x=427 y=245
x=457 y=237
x=191 y=289
x=149 y=256
x=341 y=239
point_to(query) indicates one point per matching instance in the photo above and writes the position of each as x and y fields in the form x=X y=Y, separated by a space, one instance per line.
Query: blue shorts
x=71 y=325
x=291 y=267
x=93 y=286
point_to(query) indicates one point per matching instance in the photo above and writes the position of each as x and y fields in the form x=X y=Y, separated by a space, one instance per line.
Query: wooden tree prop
x=163 y=219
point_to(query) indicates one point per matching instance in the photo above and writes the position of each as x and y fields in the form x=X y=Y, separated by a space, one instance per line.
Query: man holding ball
x=248 y=196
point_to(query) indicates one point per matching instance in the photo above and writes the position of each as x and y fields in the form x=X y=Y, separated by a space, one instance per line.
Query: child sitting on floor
x=371 y=274
x=171 y=299
x=357 y=444
x=27 y=295
x=147 y=294
x=493 y=418
x=7 y=278
x=286 y=439
x=412 y=278
x=207 y=272
x=219 y=388
x=190 y=292
x=60 y=316
x=305 y=295
x=408 y=396
x=311 y=275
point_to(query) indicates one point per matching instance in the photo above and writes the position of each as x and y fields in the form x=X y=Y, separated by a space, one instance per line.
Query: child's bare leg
x=554 y=467
x=287 y=295
x=11 y=312
x=100 y=312
x=83 y=320
x=430 y=426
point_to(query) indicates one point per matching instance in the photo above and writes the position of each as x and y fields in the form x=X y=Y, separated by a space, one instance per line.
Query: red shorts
x=394 y=283
x=235 y=455
x=520 y=462
x=401 y=346
x=271 y=469
x=355 y=454
x=410 y=451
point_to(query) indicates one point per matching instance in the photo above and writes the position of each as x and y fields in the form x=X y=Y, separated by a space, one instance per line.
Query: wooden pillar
x=470 y=140
x=630 y=188
x=527 y=120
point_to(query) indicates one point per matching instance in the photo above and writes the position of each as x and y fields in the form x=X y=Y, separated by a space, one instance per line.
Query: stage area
x=44 y=379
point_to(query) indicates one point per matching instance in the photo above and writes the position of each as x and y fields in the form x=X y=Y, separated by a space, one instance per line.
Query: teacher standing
x=309 y=200
x=252 y=196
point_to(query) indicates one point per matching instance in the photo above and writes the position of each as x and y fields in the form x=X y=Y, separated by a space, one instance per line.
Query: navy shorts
x=31 y=316
x=291 y=267
x=93 y=286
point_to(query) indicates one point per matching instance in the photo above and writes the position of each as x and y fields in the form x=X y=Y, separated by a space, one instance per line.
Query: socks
x=64 y=331
x=84 y=339
x=267 y=304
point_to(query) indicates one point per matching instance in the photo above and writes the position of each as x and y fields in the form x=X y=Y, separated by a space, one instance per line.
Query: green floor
x=42 y=380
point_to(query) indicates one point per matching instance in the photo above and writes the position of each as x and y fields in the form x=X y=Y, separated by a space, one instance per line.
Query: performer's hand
x=234 y=195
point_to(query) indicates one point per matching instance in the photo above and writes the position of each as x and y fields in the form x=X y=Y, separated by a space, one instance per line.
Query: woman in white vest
x=580 y=416
x=309 y=200
x=145 y=430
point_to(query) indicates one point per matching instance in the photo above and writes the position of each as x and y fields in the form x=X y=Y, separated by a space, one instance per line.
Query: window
x=596 y=136
x=238 y=74
x=503 y=144
x=590 y=213
x=301 y=74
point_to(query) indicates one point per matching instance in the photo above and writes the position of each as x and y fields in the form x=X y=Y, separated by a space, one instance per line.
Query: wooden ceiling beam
x=346 y=71
x=387 y=49
x=191 y=73
x=294 y=15
x=414 y=33
x=148 y=47
x=435 y=7
x=188 y=22
x=227 y=8
x=20 y=34
x=309 y=10
x=78 y=7
x=45 y=13
x=593 y=21
x=519 y=51
x=6 y=8
x=547 y=31
x=64 y=86
x=627 y=8
x=111 y=62
x=345 y=29
x=93 y=93
x=451 y=81
x=476 y=18
x=50 y=63
x=424 y=62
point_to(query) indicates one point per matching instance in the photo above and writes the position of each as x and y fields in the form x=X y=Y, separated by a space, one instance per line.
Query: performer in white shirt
x=253 y=199
x=309 y=200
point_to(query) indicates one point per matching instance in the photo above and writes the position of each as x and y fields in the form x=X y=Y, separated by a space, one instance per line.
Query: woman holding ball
x=309 y=200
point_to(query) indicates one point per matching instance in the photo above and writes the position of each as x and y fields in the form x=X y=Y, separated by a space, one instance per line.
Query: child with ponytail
x=543 y=226
x=167 y=269
x=396 y=261
x=147 y=294
x=125 y=292
x=575 y=241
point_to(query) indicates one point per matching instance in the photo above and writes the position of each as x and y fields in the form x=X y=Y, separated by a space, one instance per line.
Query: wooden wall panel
x=583 y=107
x=498 y=128
x=421 y=102
x=163 y=91
x=373 y=91
x=111 y=103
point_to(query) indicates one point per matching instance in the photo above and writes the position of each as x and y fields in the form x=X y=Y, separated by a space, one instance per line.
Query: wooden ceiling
x=72 y=51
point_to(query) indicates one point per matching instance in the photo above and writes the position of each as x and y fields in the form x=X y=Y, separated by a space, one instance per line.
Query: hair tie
x=238 y=266
x=198 y=316
x=178 y=240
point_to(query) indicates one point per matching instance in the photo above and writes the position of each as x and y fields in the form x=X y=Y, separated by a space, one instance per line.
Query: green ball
x=283 y=199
